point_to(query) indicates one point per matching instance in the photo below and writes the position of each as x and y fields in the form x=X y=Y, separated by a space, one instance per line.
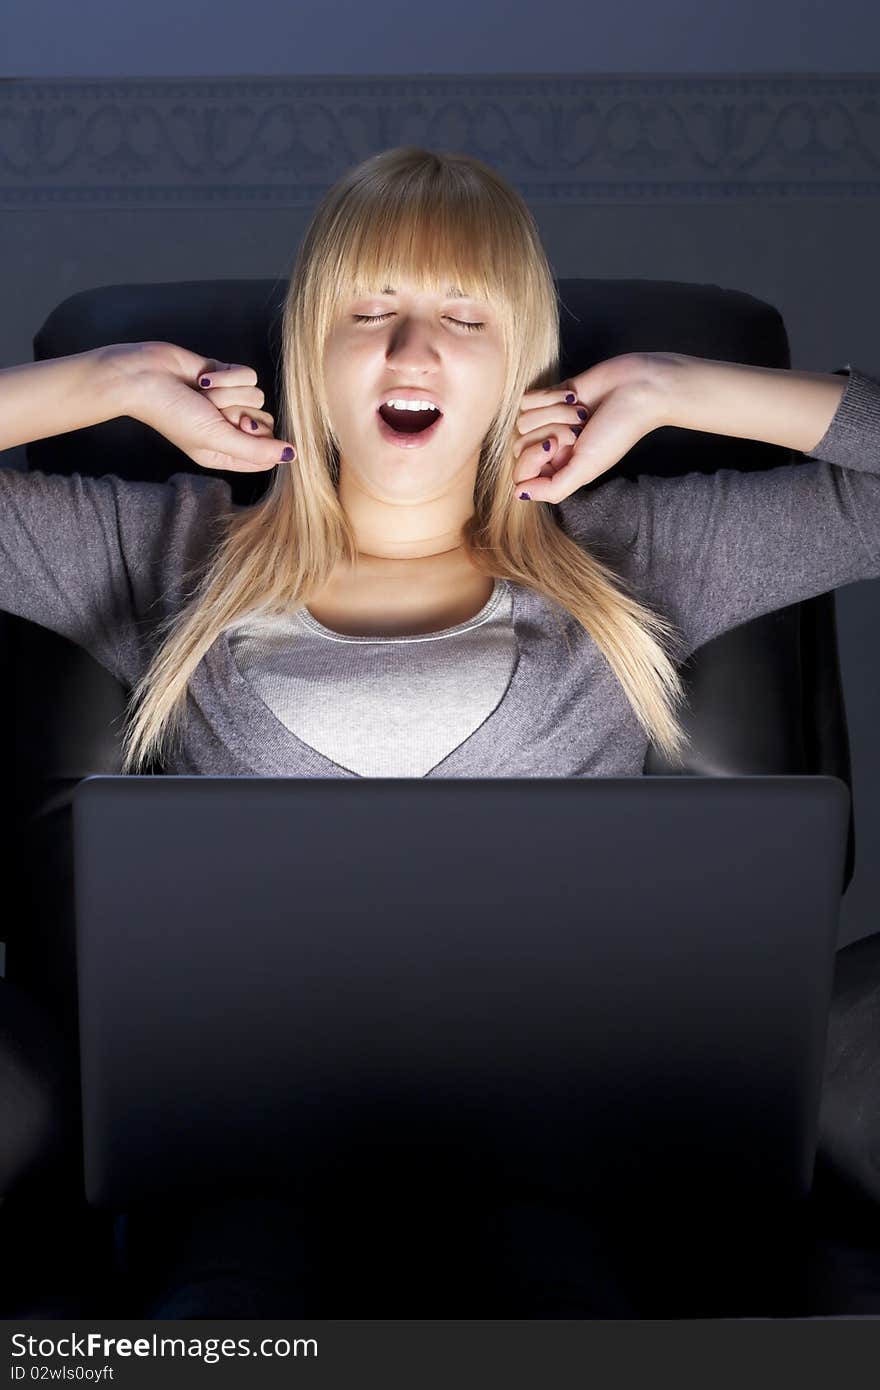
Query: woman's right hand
x=163 y=391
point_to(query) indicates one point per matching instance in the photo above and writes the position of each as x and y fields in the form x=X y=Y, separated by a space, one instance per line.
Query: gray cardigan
x=101 y=560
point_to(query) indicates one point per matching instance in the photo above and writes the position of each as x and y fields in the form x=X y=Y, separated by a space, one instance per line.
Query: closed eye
x=462 y=323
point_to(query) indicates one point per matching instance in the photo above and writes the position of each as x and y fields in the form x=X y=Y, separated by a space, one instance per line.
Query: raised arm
x=624 y=398
x=42 y=399
x=790 y=408
x=154 y=382
x=714 y=549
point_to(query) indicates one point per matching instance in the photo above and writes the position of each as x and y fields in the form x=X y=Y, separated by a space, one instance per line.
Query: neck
x=435 y=561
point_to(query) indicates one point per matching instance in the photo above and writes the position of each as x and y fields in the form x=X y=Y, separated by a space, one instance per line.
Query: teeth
x=412 y=405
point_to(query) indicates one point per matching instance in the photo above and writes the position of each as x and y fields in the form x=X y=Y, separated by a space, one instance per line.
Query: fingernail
x=570 y=399
x=576 y=429
x=524 y=497
x=582 y=415
x=287 y=454
x=253 y=424
x=205 y=381
x=546 y=444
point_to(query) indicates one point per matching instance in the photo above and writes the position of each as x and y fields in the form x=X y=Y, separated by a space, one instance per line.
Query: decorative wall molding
x=559 y=138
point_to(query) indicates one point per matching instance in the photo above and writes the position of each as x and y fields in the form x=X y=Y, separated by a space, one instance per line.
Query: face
x=403 y=498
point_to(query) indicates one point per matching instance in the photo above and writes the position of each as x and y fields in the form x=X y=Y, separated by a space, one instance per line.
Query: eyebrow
x=452 y=292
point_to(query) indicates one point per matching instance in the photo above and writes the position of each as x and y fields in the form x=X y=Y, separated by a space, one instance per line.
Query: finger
x=248 y=419
x=541 y=448
x=547 y=466
x=256 y=421
x=213 y=458
x=552 y=427
x=550 y=395
x=536 y=461
x=222 y=396
x=530 y=420
x=251 y=449
x=225 y=374
x=566 y=477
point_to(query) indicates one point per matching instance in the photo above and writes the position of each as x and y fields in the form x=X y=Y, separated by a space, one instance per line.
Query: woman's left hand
x=591 y=421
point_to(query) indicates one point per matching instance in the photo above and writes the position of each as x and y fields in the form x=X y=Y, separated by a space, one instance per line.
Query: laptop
x=606 y=987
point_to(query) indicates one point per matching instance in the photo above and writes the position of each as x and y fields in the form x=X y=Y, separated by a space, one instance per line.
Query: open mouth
x=408 y=428
x=408 y=421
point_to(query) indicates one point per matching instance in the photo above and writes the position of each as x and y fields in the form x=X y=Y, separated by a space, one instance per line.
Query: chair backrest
x=764 y=698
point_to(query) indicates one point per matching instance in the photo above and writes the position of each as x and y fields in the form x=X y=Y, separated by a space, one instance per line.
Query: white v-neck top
x=408 y=700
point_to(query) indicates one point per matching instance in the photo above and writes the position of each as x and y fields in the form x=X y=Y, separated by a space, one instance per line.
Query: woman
x=312 y=641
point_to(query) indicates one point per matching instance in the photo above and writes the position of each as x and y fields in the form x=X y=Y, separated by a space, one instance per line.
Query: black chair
x=764 y=698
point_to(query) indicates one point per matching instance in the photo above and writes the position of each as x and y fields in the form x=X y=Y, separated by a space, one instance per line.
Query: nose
x=410 y=342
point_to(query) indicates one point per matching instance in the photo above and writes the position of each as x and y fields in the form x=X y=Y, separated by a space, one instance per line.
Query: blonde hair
x=437 y=219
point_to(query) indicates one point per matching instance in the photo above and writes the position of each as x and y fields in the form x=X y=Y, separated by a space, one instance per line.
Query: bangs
x=431 y=264
x=439 y=246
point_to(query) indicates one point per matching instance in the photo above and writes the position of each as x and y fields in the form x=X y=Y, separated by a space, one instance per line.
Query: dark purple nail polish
x=524 y=497
x=582 y=415
x=205 y=381
x=576 y=429
x=253 y=424
x=546 y=444
x=570 y=399
x=286 y=455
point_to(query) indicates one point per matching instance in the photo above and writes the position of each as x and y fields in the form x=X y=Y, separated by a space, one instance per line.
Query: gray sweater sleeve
x=101 y=560
x=714 y=550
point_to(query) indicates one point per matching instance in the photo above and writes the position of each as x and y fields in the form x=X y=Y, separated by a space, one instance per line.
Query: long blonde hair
x=437 y=219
